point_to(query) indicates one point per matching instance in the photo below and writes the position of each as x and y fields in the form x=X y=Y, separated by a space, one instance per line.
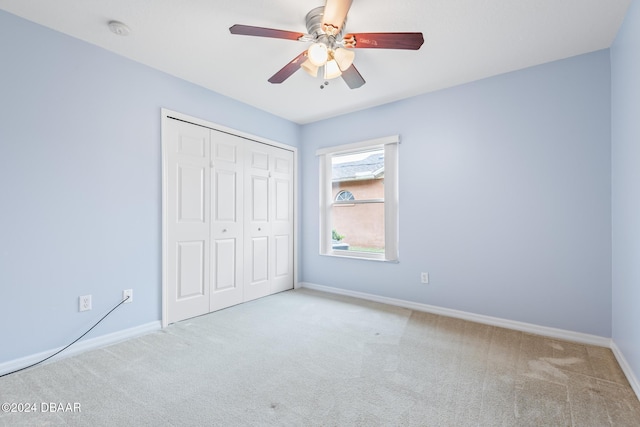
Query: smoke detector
x=119 y=28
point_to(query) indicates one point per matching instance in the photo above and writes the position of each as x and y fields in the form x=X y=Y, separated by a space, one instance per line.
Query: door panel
x=191 y=189
x=282 y=202
x=225 y=152
x=270 y=227
x=260 y=258
x=225 y=250
x=225 y=195
x=190 y=275
x=282 y=220
x=282 y=165
x=227 y=229
x=259 y=198
x=257 y=225
x=192 y=144
x=187 y=216
x=259 y=158
x=257 y=256
x=282 y=255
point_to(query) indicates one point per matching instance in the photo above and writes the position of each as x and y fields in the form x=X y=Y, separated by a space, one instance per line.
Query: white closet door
x=227 y=176
x=282 y=220
x=258 y=240
x=269 y=220
x=228 y=220
x=188 y=220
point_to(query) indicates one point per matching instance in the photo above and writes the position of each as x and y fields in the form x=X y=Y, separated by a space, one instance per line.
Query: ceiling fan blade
x=335 y=12
x=411 y=41
x=248 y=30
x=288 y=69
x=352 y=77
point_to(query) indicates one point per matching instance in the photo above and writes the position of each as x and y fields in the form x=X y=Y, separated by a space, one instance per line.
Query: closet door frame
x=167 y=115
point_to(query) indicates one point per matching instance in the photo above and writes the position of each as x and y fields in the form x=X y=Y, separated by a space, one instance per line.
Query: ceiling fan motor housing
x=315 y=28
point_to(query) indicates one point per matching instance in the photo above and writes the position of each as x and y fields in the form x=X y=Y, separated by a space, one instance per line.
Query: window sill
x=361 y=256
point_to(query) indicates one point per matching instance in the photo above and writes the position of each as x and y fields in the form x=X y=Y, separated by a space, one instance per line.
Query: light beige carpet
x=304 y=358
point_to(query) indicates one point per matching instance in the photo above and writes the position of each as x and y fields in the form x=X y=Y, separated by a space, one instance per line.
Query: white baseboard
x=478 y=318
x=80 y=347
x=626 y=368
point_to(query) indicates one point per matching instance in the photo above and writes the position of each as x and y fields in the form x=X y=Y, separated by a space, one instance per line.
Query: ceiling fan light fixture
x=331 y=70
x=318 y=54
x=311 y=69
x=344 y=57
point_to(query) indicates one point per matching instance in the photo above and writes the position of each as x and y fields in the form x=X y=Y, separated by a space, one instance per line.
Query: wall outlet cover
x=84 y=303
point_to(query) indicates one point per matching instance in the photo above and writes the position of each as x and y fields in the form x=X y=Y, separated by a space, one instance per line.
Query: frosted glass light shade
x=331 y=70
x=310 y=68
x=344 y=57
x=318 y=54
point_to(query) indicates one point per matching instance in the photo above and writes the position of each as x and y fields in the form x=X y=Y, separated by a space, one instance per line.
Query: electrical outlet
x=424 y=277
x=84 y=303
x=127 y=293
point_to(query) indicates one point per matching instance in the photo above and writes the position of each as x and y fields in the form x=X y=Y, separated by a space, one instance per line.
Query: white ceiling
x=465 y=40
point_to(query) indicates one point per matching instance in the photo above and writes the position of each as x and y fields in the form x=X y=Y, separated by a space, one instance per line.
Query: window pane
x=358 y=176
x=360 y=166
x=344 y=196
x=358 y=228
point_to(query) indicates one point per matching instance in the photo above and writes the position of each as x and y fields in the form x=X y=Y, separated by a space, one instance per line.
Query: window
x=359 y=199
x=344 y=196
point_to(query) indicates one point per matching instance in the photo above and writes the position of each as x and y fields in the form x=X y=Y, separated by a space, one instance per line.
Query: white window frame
x=390 y=146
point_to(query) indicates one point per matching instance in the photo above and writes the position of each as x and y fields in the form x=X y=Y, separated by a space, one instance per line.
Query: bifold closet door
x=188 y=220
x=282 y=220
x=229 y=220
x=227 y=176
x=268 y=195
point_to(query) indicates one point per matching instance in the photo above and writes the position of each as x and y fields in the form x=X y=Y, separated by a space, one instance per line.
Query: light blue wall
x=80 y=182
x=625 y=124
x=505 y=197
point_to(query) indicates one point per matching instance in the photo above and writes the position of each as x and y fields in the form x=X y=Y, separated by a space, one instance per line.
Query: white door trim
x=166 y=115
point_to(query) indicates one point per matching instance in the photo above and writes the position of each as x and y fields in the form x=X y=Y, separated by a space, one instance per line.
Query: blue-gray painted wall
x=625 y=123
x=80 y=182
x=504 y=197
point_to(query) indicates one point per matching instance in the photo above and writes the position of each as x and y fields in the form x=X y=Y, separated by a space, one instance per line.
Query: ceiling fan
x=331 y=51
